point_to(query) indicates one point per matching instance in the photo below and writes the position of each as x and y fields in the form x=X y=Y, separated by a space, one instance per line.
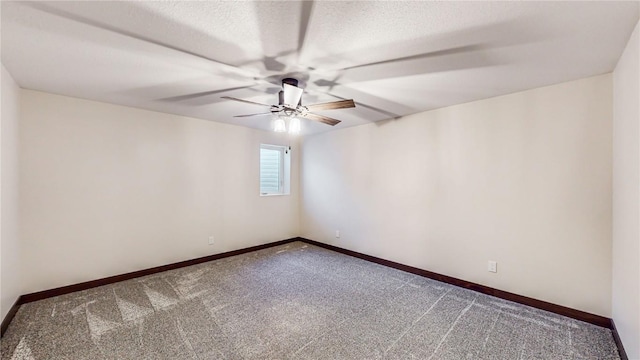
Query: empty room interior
x=320 y=180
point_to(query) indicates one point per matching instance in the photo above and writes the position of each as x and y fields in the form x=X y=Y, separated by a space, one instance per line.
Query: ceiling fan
x=290 y=104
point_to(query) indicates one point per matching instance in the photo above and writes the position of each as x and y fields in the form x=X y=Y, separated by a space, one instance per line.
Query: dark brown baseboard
x=117 y=278
x=539 y=304
x=12 y=312
x=616 y=338
x=135 y=274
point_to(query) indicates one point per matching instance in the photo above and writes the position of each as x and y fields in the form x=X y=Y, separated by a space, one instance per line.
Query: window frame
x=283 y=169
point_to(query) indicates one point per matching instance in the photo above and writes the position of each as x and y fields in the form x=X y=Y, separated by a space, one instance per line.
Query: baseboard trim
x=40 y=295
x=539 y=304
x=616 y=338
x=12 y=312
x=135 y=274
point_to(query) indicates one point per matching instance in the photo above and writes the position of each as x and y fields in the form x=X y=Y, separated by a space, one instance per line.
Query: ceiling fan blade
x=322 y=119
x=361 y=104
x=342 y=104
x=244 y=101
x=258 y=114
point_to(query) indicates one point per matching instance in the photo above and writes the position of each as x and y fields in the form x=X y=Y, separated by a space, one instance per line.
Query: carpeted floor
x=294 y=301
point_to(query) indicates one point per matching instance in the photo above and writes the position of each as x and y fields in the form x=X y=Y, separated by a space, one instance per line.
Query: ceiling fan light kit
x=294 y=126
x=290 y=107
x=279 y=125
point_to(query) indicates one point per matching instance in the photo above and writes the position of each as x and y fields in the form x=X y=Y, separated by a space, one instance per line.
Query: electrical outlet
x=337 y=234
x=211 y=240
x=493 y=267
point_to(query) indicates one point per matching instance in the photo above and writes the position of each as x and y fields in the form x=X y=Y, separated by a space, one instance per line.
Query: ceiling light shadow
x=277 y=41
x=201 y=94
x=228 y=69
x=457 y=50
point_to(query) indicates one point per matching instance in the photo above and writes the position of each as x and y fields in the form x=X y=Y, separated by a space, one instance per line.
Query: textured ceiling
x=392 y=58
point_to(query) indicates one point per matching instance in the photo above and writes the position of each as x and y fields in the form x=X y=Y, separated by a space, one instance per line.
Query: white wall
x=109 y=189
x=9 y=239
x=523 y=179
x=626 y=197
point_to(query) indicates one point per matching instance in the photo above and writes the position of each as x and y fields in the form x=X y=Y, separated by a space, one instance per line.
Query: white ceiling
x=392 y=58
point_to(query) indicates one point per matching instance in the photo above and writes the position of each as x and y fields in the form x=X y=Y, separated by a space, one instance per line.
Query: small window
x=274 y=169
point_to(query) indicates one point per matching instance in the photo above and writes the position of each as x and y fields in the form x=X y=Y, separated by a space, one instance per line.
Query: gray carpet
x=294 y=301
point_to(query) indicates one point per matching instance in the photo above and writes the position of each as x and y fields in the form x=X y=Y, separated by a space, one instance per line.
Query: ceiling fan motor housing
x=291 y=95
x=290 y=81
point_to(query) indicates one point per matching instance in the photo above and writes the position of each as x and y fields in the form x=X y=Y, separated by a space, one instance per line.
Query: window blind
x=271 y=163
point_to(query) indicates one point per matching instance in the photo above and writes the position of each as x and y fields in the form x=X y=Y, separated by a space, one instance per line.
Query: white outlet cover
x=211 y=240
x=337 y=233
